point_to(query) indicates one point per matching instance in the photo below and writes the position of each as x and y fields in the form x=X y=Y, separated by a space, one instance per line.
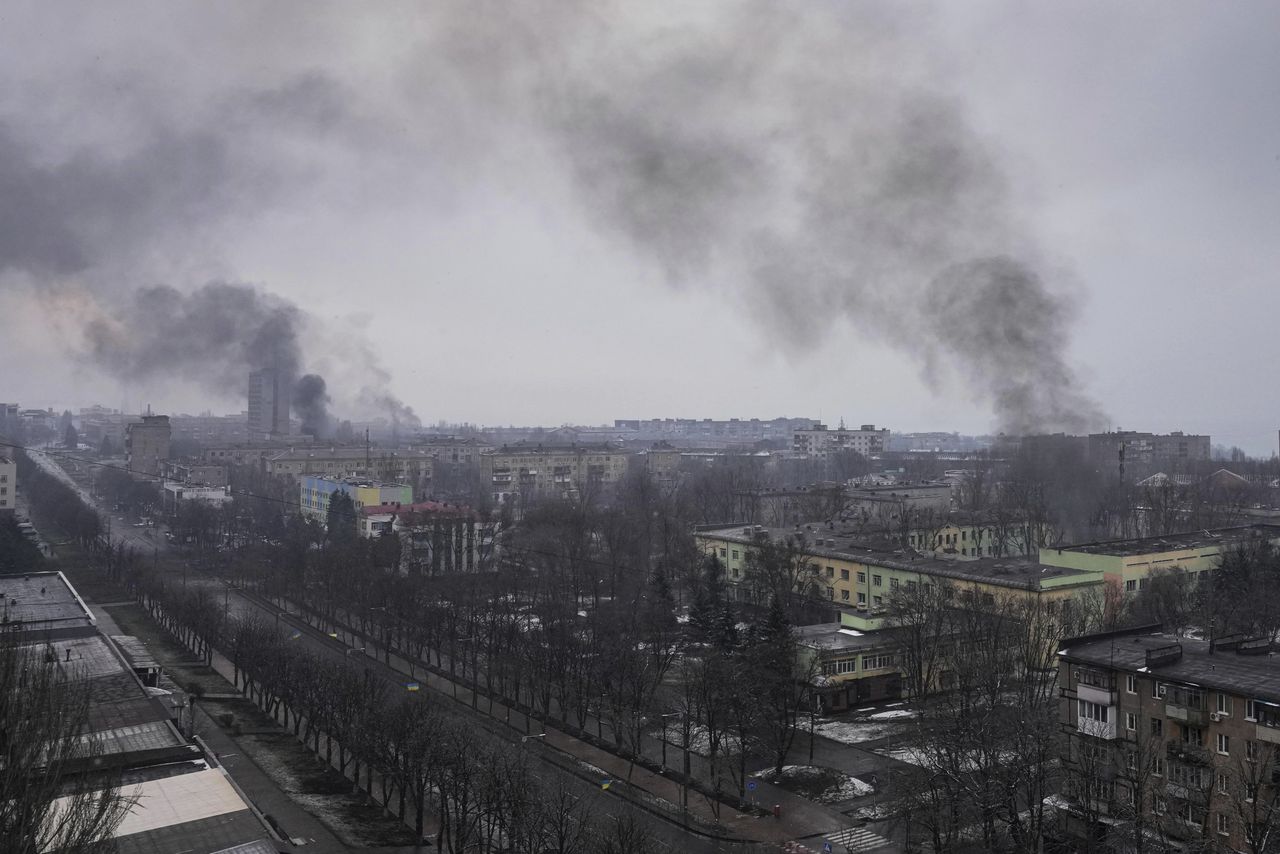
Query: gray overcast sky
x=439 y=208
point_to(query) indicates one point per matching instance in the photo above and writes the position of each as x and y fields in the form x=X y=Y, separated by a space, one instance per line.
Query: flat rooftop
x=42 y=601
x=1216 y=539
x=832 y=637
x=1256 y=676
x=1019 y=572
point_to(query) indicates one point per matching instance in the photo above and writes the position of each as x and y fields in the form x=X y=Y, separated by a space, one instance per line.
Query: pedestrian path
x=858 y=840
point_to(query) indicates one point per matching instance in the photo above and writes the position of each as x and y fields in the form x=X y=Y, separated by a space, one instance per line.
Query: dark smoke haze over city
x=816 y=176
x=639 y=427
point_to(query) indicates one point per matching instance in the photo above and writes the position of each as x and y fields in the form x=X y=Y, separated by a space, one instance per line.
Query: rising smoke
x=801 y=156
x=311 y=403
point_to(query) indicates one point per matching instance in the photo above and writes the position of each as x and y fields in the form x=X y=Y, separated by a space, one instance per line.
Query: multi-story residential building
x=708 y=432
x=1129 y=563
x=435 y=537
x=453 y=450
x=526 y=472
x=662 y=462
x=196 y=474
x=8 y=486
x=818 y=441
x=268 y=413
x=255 y=453
x=1172 y=738
x=316 y=490
x=208 y=429
x=413 y=466
x=1142 y=448
x=146 y=444
x=859 y=580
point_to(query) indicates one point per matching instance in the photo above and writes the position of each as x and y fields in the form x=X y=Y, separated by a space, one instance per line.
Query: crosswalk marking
x=856 y=839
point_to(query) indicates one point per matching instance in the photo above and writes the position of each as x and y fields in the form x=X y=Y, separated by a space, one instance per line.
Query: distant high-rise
x=146 y=444
x=268 y=404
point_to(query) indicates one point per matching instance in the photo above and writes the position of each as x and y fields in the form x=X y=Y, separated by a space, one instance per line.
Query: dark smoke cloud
x=214 y=335
x=795 y=154
x=311 y=403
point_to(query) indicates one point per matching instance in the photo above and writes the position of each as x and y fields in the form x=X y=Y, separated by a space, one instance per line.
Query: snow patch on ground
x=894 y=714
x=821 y=785
x=853 y=732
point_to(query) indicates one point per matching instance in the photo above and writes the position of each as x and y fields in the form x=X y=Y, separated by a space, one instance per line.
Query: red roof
x=434 y=507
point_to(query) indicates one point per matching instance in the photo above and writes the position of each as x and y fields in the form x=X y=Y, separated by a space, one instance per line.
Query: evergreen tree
x=340 y=521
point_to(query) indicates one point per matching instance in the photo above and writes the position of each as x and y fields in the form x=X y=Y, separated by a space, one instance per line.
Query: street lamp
x=663 y=718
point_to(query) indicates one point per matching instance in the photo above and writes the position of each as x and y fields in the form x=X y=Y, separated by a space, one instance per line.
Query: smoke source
x=311 y=402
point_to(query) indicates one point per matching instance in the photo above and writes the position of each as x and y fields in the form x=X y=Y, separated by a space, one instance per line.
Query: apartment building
x=819 y=442
x=146 y=444
x=409 y=465
x=1129 y=563
x=1171 y=737
x=859 y=580
x=525 y=472
x=8 y=486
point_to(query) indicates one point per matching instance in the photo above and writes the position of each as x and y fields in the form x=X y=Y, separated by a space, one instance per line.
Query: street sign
x=751 y=785
x=826 y=848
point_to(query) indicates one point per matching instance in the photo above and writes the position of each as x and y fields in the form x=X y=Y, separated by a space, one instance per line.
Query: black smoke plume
x=311 y=403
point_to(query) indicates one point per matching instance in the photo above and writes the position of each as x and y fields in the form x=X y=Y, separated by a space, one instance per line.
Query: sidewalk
x=256 y=785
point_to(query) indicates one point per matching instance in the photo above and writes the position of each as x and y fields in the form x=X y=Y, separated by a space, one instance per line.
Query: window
x=1158 y=805
x=1130 y=586
x=735 y=554
x=877 y=601
x=723 y=552
x=1193 y=736
x=831 y=593
x=1093 y=711
x=1224 y=744
x=1224 y=824
x=875 y=662
x=1250 y=710
x=831 y=572
x=1251 y=751
x=875 y=581
x=1158 y=690
x=1131 y=760
x=1224 y=784
x=847 y=665
x=1224 y=704
x=893 y=584
x=862 y=577
x=862 y=598
x=844 y=595
x=1157 y=726
x=1131 y=684
x=735 y=572
x=844 y=575
x=1130 y=721
x=1157 y=766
